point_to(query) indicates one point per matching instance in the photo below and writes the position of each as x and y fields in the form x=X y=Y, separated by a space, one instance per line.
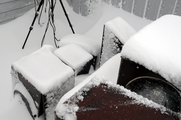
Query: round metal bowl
x=157 y=90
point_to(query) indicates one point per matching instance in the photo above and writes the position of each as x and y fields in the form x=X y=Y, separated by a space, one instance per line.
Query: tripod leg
x=52 y=10
x=31 y=27
x=67 y=16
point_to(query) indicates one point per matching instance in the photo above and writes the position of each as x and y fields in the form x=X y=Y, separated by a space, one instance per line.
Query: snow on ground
x=14 y=33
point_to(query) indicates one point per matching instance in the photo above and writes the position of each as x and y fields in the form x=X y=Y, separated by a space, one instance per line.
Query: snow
x=43 y=69
x=68 y=111
x=109 y=70
x=91 y=45
x=53 y=97
x=12 y=111
x=14 y=33
x=157 y=47
x=73 y=55
x=121 y=29
x=116 y=33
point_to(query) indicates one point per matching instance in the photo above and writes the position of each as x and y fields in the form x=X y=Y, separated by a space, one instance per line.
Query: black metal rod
x=52 y=8
x=37 y=13
x=31 y=27
x=67 y=16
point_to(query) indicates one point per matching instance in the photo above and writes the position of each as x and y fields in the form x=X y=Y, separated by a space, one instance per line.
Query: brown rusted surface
x=130 y=70
x=35 y=94
x=107 y=103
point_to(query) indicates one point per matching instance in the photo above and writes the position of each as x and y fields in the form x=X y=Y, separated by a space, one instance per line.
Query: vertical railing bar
x=174 y=8
x=159 y=10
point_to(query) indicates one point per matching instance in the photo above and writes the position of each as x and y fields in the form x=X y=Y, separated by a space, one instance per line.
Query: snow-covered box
x=115 y=34
x=76 y=57
x=154 y=52
x=101 y=100
x=89 y=44
x=156 y=48
x=45 y=77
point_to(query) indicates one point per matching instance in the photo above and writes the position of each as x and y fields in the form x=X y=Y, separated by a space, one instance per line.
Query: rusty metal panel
x=152 y=9
x=139 y=7
x=76 y=5
x=167 y=7
x=178 y=8
x=127 y=5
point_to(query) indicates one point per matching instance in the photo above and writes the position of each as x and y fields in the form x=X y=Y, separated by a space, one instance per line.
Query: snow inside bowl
x=157 y=90
x=154 y=51
x=45 y=77
x=101 y=100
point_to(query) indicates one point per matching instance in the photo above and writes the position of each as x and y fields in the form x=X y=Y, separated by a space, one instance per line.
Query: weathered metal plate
x=105 y=102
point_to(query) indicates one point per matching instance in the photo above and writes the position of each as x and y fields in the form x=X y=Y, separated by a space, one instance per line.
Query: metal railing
x=13 y=9
x=149 y=9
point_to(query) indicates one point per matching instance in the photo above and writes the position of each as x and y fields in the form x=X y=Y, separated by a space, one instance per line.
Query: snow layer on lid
x=120 y=28
x=43 y=69
x=73 y=55
x=157 y=47
x=89 y=44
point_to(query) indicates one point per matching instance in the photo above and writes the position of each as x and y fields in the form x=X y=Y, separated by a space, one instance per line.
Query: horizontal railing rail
x=11 y=9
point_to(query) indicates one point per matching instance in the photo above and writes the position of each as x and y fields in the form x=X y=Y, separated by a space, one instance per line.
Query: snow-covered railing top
x=43 y=69
x=157 y=47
